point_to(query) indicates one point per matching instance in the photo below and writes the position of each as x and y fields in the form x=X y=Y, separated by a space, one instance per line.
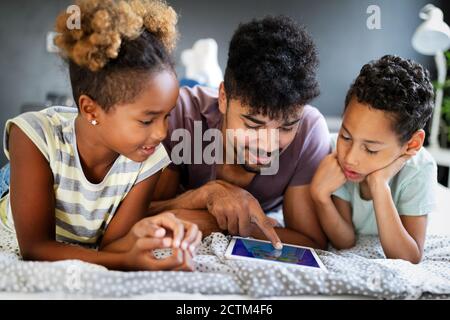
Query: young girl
x=86 y=176
x=380 y=180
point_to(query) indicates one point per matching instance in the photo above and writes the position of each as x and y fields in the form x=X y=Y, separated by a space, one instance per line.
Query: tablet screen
x=262 y=250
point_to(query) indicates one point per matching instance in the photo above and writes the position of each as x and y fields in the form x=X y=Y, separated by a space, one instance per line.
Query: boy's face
x=135 y=129
x=258 y=142
x=366 y=141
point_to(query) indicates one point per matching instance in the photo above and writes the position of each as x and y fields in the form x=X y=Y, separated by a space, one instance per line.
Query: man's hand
x=236 y=210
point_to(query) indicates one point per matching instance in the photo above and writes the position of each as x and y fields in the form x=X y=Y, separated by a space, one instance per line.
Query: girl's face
x=366 y=141
x=135 y=129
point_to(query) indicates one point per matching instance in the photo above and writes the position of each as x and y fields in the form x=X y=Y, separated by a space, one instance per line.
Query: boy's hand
x=382 y=176
x=328 y=177
x=235 y=210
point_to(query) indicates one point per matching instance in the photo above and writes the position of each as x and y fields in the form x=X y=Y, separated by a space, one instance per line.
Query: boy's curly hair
x=272 y=66
x=401 y=87
x=118 y=43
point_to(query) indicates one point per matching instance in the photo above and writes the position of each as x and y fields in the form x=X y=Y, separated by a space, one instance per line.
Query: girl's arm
x=122 y=232
x=132 y=209
x=402 y=237
x=33 y=206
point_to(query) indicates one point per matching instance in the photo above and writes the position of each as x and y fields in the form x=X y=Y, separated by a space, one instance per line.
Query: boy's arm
x=402 y=237
x=334 y=213
x=335 y=217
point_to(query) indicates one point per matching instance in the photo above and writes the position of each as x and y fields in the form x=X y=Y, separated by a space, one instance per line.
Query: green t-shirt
x=412 y=189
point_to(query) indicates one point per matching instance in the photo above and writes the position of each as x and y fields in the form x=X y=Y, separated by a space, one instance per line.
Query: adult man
x=269 y=80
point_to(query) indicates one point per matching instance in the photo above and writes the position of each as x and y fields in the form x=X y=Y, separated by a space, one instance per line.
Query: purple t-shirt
x=297 y=162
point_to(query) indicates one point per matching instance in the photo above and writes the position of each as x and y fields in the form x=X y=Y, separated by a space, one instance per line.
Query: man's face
x=258 y=138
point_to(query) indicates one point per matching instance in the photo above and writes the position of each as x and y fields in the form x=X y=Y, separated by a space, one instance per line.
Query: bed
x=360 y=272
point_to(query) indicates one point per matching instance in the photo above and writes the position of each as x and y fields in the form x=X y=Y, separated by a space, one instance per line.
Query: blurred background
x=31 y=77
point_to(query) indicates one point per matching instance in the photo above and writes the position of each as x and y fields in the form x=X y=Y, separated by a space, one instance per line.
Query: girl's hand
x=141 y=256
x=182 y=234
x=188 y=264
x=328 y=177
x=158 y=232
x=382 y=176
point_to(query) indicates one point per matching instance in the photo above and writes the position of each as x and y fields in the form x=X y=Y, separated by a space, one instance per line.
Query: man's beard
x=248 y=168
x=246 y=150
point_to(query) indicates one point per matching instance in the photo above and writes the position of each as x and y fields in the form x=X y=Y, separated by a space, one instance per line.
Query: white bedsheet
x=439 y=224
x=170 y=296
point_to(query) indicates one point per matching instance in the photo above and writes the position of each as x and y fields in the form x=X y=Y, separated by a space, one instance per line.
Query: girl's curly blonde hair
x=119 y=45
x=105 y=24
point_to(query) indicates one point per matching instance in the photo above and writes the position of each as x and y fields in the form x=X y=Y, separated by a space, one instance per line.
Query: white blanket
x=360 y=271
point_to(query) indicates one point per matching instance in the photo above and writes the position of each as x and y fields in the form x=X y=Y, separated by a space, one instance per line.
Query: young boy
x=379 y=180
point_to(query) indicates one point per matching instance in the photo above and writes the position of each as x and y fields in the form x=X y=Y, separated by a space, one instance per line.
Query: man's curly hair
x=401 y=87
x=271 y=67
x=120 y=42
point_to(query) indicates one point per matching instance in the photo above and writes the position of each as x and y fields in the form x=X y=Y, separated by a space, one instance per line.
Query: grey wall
x=338 y=27
x=28 y=72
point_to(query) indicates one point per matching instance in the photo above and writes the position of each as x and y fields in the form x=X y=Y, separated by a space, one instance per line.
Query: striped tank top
x=83 y=210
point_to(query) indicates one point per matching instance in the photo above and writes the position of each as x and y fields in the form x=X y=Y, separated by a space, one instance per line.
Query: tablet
x=252 y=249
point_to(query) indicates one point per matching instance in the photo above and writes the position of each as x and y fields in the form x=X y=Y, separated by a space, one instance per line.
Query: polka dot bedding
x=361 y=271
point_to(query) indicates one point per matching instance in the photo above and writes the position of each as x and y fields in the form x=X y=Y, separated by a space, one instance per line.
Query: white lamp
x=432 y=37
x=201 y=62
